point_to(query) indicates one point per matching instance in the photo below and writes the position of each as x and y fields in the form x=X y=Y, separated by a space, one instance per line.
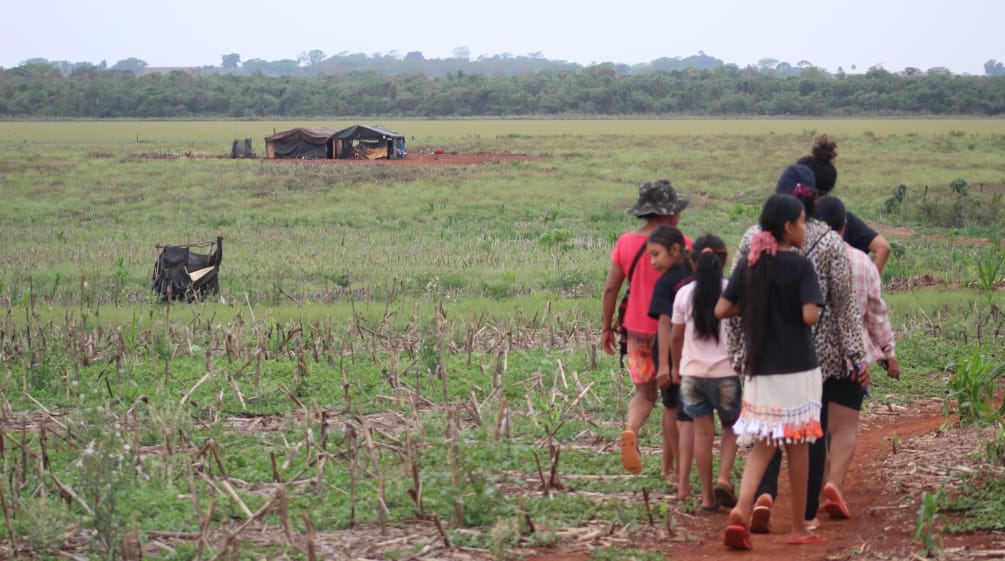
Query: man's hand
x=608 y=341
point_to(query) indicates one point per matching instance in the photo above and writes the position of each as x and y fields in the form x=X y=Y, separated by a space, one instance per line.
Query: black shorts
x=671 y=400
x=845 y=392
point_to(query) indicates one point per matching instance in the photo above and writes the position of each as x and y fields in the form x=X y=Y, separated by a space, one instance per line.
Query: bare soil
x=902 y=451
x=431 y=159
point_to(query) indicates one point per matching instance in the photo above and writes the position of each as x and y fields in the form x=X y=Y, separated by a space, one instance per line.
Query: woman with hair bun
x=857 y=233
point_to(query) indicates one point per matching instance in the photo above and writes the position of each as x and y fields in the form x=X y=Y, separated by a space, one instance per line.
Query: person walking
x=658 y=204
x=776 y=293
x=708 y=382
x=845 y=397
x=836 y=337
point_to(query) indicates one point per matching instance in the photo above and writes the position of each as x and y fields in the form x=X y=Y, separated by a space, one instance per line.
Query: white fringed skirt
x=781 y=408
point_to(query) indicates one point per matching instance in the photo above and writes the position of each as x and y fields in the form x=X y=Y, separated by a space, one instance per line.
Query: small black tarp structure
x=304 y=143
x=181 y=274
x=242 y=149
x=369 y=142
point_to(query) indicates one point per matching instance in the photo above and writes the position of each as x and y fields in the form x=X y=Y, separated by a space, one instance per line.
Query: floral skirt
x=640 y=357
x=781 y=408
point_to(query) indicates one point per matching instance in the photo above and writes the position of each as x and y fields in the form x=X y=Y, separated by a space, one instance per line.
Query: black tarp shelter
x=181 y=274
x=306 y=143
x=369 y=142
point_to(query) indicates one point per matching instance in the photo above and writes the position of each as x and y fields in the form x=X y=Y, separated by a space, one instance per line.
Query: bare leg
x=797 y=456
x=753 y=471
x=686 y=431
x=842 y=426
x=641 y=405
x=727 y=455
x=639 y=408
x=671 y=443
x=704 y=432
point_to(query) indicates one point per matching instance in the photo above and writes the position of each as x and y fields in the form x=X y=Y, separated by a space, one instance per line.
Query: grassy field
x=389 y=330
x=221 y=133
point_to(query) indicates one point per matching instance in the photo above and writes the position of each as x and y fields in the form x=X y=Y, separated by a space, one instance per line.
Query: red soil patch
x=428 y=159
x=882 y=489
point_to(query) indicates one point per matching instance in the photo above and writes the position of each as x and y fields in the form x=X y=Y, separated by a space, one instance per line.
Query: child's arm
x=676 y=350
x=726 y=309
x=811 y=314
x=663 y=334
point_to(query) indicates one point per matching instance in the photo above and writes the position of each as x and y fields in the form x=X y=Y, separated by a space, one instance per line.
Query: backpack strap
x=631 y=270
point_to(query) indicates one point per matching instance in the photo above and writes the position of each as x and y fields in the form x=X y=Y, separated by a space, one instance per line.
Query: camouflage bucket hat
x=658 y=197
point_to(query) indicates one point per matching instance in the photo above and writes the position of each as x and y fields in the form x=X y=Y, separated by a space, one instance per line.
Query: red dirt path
x=883 y=500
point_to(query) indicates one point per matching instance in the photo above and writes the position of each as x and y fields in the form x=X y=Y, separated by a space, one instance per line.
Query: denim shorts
x=671 y=400
x=701 y=396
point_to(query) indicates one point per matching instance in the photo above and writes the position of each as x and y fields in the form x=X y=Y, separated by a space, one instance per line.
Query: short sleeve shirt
x=641 y=284
x=788 y=344
x=700 y=357
x=858 y=234
x=663 y=297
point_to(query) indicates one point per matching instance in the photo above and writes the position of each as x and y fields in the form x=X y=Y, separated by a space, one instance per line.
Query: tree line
x=40 y=90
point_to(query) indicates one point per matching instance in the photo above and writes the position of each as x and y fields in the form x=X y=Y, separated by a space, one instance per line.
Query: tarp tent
x=242 y=149
x=181 y=274
x=304 y=143
x=369 y=142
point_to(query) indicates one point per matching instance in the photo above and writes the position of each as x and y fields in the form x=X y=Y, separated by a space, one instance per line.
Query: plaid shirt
x=877 y=334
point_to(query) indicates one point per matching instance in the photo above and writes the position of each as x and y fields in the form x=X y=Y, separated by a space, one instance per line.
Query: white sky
x=959 y=35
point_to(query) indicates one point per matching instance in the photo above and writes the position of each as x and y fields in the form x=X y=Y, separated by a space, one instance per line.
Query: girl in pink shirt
x=702 y=367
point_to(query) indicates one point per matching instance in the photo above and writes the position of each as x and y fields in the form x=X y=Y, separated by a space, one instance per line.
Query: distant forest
x=390 y=86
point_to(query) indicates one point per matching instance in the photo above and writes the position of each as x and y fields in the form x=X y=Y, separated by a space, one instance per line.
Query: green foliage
x=44 y=523
x=896 y=201
x=630 y=554
x=972 y=386
x=991 y=266
x=504 y=537
x=926 y=528
x=979 y=506
x=103 y=471
x=520 y=86
x=430 y=319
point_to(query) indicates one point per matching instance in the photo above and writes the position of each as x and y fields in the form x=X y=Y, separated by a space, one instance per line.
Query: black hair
x=667 y=236
x=778 y=211
x=831 y=210
x=709 y=255
x=821 y=161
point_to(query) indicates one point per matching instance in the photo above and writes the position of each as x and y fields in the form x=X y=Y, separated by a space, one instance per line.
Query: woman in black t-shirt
x=776 y=293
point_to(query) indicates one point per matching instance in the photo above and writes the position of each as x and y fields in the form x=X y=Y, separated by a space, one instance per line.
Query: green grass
x=421 y=304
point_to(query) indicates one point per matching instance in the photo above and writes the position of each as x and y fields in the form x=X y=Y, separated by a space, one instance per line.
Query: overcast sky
x=959 y=35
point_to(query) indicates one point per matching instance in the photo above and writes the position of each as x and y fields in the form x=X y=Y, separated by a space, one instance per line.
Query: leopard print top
x=837 y=337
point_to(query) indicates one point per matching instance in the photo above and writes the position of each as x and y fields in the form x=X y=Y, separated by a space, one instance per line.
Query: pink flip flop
x=835 y=506
x=738 y=537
